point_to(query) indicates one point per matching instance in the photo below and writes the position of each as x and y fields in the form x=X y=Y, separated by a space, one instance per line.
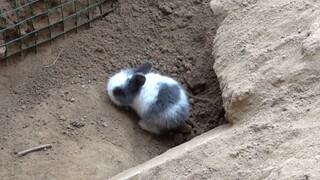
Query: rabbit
x=159 y=100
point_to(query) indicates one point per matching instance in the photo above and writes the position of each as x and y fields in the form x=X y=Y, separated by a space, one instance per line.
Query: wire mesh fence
x=29 y=23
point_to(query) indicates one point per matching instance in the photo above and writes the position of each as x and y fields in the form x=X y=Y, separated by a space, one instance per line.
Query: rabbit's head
x=124 y=86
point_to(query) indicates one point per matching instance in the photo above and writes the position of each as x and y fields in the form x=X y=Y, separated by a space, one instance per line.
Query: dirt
x=267 y=61
x=25 y=24
x=66 y=104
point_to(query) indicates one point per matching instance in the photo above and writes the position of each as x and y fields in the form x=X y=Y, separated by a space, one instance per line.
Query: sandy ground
x=66 y=104
x=267 y=61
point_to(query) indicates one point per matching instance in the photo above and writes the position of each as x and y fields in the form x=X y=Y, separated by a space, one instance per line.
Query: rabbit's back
x=149 y=92
x=162 y=102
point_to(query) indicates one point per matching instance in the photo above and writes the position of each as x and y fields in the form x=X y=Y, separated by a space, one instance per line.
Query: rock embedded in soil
x=62 y=118
x=191 y=101
x=196 y=86
x=104 y=124
x=165 y=9
x=77 y=124
x=182 y=24
x=189 y=15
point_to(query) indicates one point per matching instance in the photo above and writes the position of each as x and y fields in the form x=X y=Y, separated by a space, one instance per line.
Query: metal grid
x=18 y=41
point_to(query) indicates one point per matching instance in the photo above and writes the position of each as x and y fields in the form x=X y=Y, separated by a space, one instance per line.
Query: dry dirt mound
x=66 y=104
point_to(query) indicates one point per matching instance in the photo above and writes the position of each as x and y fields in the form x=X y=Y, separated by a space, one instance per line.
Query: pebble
x=196 y=86
x=104 y=124
x=70 y=127
x=77 y=124
x=135 y=7
x=60 y=105
x=166 y=9
x=179 y=57
x=299 y=31
x=174 y=69
x=182 y=25
x=189 y=15
x=100 y=49
x=62 y=118
x=72 y=99
x=161 y=25
x=188 y=65
x=191 y=101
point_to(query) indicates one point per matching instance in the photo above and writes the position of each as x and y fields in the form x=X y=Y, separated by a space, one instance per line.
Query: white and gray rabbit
x=160 y=101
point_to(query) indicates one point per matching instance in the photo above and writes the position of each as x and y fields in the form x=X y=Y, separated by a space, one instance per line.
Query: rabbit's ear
x=136 y=82
x=144 y=68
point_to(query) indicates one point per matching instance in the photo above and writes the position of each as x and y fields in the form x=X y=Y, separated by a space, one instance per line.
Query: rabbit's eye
x=118 y=91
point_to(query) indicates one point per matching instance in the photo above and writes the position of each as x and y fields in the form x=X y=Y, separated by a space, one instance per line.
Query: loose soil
x=66 y=104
